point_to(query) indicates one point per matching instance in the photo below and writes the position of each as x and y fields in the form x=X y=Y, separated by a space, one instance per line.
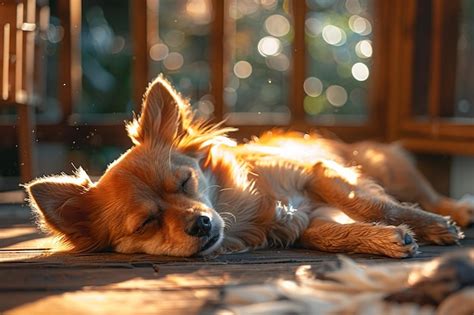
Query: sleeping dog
x=186 y=188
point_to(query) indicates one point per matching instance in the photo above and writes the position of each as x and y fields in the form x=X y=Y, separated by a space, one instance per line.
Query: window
x=430 y=103
x=387 y=70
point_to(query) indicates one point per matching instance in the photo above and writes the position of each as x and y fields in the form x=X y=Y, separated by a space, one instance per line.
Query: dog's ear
x=161 y=114
x=60 y=204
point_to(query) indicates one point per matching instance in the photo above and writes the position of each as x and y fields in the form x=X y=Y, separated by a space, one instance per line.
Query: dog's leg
x=363 y=200
x=330 y=236
x=392 y=167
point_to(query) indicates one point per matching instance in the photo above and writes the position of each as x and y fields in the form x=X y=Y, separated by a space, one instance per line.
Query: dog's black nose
x=201 y=227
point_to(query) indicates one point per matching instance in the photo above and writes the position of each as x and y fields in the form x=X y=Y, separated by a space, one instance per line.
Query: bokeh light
x=173 y=61
x=199 y=11
x=360 y=25
x=258 y=40
x=205 y=107
x=353 y=6
x=313 y=86
x=360 y=71
x=159 y=52
x=336 y=95
x=269 y=46
x=339 y=58
x=269 y=4
x=333 y=35
x=313 y=26
x=314 y=105
x=363 y=49
x=242 y=69
x=277 y=25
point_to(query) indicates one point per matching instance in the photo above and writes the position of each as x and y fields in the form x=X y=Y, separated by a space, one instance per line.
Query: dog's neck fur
x=256 y=202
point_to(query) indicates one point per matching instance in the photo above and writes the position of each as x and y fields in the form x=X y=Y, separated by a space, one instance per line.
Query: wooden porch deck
x=36 y=281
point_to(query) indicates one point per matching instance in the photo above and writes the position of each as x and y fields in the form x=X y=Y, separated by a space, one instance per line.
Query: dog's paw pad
x=443 y=231
x=404 y=244
x=408 y=239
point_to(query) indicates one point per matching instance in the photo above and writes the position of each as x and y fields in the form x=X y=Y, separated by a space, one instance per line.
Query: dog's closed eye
x=188 y=183
x=145 y=224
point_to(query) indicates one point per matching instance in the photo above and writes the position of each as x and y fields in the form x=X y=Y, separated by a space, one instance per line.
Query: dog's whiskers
x=226 y=189
x=227 y=216
x=169 y=157
x=207 y=189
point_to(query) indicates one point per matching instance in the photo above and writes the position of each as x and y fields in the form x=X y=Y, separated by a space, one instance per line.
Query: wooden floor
x=33 y=280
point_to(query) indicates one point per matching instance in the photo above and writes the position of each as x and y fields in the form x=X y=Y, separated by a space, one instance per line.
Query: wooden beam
x=298 y=75
x=379 y=84
x=400 y=65
x=26 y=142
x=440 y=128
x=438 y=146
x=217 y=57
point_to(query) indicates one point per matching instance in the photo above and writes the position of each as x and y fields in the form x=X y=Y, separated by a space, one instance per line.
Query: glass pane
x=464 y=105
x=339 y=52
x=106 y=57
x=46 y=64
x=179 y=48
x=259 y=36
x=422 y=58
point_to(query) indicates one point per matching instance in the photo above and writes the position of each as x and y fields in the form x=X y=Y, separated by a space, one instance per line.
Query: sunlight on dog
x=185 y=188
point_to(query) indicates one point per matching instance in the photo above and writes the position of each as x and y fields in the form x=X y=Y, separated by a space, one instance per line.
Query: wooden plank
x=110 y=302
x=438 y=146
x=161 y=278
x=453 y=129
x=16 y=196
x=38 y=281
x=39 y=257
x=27 y=258
x=26 y=290
x=23 y=237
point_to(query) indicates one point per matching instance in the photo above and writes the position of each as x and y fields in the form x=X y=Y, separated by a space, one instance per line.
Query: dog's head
x=155 y=198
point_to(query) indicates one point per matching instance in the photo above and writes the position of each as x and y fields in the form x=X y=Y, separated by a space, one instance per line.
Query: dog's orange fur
x=280 y=190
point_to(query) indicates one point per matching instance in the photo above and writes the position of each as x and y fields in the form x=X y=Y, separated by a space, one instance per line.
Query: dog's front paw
x=396 y=242
x=441 y=231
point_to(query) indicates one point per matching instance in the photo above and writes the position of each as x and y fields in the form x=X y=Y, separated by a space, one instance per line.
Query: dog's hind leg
x=393 y=168
x=363 y=200
x=330 y=236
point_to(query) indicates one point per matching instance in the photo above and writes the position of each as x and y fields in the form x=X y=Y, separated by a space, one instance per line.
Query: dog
x=185 y=188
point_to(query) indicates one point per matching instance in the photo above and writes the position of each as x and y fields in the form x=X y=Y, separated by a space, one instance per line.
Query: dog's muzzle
x=209 y=230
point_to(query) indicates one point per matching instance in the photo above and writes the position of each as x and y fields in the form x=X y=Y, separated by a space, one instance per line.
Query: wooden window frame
x=433 y=133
